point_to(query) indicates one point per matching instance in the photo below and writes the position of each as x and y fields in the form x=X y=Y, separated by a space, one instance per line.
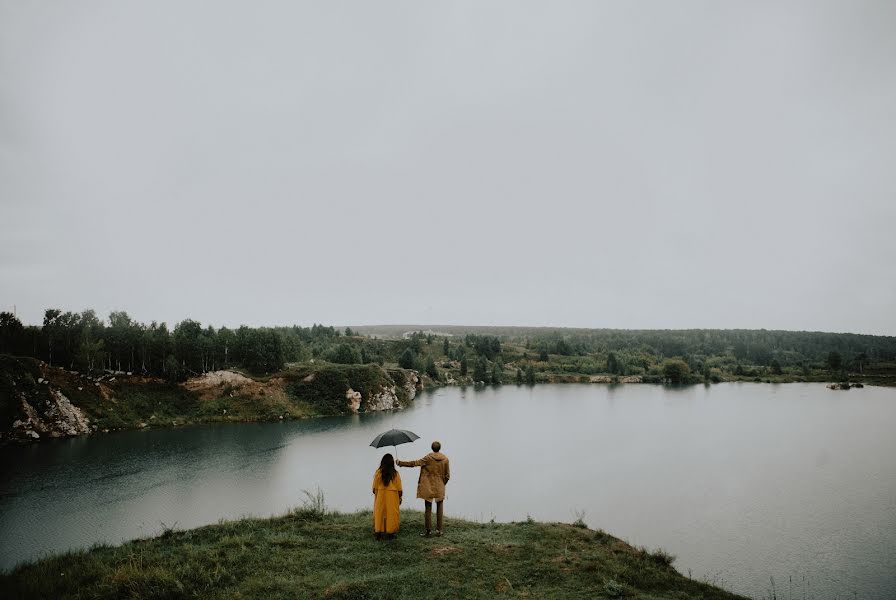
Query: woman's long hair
x=387 y=469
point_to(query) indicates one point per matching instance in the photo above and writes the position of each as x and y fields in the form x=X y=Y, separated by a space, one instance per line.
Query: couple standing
x=434 y=474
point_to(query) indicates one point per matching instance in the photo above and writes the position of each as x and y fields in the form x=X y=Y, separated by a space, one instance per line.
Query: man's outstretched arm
x=413 y=463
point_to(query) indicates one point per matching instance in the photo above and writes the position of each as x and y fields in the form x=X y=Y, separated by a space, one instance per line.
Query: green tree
x=519 y=376
x=12 y=333
x=563 y=348
x=187 y=347
x=497 y=374
x=348 y=332
x=173 y=369
x=344 y=354
x=264 y=352
x=530 y=374
x=776 y=367
x=408 y=359
x=463 y=365
x=612 y=363
x=676 y=370
x=834 y=361
x=90 y=353
x=430 y=368
x=543 y=355
x=446 y=347
x=480 y=370
x=51 y=330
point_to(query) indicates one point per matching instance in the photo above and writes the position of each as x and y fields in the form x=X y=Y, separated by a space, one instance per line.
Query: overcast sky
x=594 y=164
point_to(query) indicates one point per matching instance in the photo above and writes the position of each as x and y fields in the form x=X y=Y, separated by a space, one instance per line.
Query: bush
x=676 y=370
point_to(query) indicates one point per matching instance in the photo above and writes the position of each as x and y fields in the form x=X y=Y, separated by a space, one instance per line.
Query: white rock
x=40 y=379
x=80 y=388
x=34 y=434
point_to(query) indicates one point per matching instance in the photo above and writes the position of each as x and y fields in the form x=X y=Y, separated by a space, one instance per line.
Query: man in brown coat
x=434 y=474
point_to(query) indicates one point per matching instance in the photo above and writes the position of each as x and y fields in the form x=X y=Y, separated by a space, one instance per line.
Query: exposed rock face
x=388 y=398
x=614 y=379
x=53 y=417
x=354 y=400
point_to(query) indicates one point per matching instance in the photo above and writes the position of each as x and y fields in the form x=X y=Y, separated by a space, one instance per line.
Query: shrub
x=676 y=370
x=661 y=557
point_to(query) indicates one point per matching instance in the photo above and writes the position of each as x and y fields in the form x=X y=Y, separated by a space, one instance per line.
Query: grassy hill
x=312 y=554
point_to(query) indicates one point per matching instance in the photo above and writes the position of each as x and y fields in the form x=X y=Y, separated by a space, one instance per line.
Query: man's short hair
x=436 y=446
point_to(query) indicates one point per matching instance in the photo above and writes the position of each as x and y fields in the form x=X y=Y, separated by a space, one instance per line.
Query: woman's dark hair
x=387 y=469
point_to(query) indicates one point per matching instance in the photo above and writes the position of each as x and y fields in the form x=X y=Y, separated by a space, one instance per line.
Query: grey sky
x=594 y=164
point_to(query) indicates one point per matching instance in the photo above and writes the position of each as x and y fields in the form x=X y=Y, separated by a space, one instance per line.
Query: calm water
x=741 y=481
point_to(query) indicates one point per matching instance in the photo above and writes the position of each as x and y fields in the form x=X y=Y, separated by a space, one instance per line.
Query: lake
x=741 y=481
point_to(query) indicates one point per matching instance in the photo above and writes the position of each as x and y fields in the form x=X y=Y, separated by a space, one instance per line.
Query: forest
x=83 y=341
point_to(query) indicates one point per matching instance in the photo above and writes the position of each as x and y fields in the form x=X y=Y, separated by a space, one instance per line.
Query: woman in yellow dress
x=387 y=498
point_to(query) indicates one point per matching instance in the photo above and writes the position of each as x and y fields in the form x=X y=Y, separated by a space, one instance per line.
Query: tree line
x=84 y=342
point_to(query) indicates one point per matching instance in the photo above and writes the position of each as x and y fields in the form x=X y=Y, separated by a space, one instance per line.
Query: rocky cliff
x=32 y=407
x=39 y=402
x=346 y=389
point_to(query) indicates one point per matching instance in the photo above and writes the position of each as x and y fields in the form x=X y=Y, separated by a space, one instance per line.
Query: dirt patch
x=216 y=378
x=222 y=384
x=442 y=551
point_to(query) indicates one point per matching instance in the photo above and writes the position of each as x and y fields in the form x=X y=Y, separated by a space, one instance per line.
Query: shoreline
x=426 y=385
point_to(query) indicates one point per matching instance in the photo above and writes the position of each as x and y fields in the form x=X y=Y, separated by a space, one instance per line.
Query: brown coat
x=434 y=474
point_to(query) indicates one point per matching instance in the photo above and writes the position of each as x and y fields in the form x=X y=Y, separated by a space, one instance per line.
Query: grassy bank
x=312 y=554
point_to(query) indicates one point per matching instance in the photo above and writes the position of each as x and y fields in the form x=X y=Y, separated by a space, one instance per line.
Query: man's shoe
x=438 y=533
x=426 y=534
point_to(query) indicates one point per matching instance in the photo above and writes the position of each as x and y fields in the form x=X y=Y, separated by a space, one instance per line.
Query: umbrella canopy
x=393 y=437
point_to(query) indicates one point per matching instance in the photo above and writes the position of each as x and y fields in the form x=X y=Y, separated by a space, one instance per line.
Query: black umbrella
x=393 y=437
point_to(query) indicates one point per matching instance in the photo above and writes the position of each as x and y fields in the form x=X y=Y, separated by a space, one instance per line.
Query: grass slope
x=308 y=554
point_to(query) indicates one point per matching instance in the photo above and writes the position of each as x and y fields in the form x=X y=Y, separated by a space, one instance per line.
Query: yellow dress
x=386 y=512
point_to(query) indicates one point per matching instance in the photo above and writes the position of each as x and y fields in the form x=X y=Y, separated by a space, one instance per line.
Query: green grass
x=314 y=554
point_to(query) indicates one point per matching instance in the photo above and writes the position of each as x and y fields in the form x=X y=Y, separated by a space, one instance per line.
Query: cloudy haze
x=613 y=164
